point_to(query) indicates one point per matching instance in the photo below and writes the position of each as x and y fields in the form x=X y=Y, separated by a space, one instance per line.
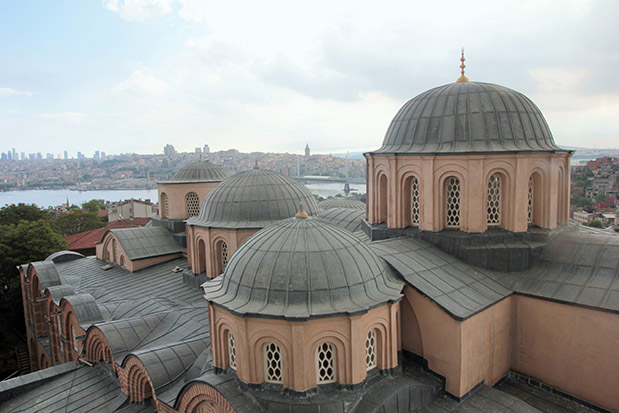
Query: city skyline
x=132 y=76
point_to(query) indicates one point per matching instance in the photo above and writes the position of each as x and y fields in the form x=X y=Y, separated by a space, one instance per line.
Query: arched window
x=224 y=254
x=382 y=198
x=530 y=202
x=114 y=250
x=272 y=363
x=192 y=204
x=452 y=202
x=165 y=207
x=325 y=363
x=494 y=200
x=415 y=198
x=370 y=350
x=231 y=351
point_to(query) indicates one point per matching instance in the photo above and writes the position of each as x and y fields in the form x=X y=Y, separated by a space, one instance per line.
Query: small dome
x=468 y=117
x=339 y=202
x=253 y=199
x=301 y=268
x=201 y=171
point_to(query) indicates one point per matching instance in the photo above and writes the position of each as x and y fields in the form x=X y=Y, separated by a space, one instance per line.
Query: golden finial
x=462 y=78
x=301 y=214
x=256 y=164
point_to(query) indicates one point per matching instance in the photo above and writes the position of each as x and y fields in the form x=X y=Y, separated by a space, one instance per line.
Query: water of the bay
x=54 y=197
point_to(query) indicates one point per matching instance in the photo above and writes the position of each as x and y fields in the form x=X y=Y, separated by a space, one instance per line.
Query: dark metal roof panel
x=340 y=202
x=46 y=273
x=201 y=171
x=349 y=219
x=146 y=242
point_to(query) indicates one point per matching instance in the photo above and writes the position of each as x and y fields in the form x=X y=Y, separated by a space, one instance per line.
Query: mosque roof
x=146 y=242
x=201 y=171
x=468 y=117
x=338 y=202
x=301 y=268
x=349 y=219
x=253 y=199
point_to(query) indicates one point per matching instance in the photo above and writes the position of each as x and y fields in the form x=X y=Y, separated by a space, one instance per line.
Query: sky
x=134 y=75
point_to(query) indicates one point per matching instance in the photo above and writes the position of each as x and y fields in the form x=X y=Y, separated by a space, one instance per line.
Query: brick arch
x=405 y=187
x=97 y=347
x=164 y=205
x=442 y=182
x=539 y=179
x=257 y=342
x=138 y=385
x=506 y=193
x=342 y=355
x=221 y=357
x=202 y=398
x=382 y=337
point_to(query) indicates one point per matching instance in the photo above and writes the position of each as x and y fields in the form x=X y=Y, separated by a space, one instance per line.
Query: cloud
x=6 y=92
x=71 y=117
x=141 y=83
x=139 y=9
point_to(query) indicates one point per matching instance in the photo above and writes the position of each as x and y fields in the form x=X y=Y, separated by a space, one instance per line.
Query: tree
x=76 y=222
x=94 y=205
x=12 y=214
x=21 y=243
x=600 y=197
x=596 y=223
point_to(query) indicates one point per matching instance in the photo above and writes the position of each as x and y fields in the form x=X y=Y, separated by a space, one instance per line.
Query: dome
x=468 y=117
x=201 y=171
x=300 y=268
x=339 y=202
x=253 y=199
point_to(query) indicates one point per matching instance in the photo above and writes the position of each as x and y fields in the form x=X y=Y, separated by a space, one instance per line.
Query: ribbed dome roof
x=468 y=117
x=300 y=268
x=253 y=199
x=339 y=202
x=201 y=171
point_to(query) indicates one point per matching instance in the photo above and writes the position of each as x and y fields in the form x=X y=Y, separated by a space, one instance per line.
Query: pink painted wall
x=473 y=171
x=176 y=197
x=568 y=347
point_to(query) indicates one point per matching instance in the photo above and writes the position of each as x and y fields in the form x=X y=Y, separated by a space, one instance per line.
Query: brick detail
x=202 y=398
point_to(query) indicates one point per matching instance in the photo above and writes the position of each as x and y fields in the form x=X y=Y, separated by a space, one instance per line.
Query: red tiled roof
x=102 y=213
x=87 y=239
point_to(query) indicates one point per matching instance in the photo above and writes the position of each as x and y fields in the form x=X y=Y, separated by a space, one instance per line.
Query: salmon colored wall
x=298 y=341
x=211 y=236
x=473 y=172
x=571 y=348
x=176 y=197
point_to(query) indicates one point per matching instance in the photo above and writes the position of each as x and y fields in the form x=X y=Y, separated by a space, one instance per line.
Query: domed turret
x=468 y=117
x=201 y=171
x=300 y=268
x=253 y=199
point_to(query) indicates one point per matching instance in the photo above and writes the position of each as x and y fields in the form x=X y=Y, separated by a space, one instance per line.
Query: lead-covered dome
x=301 y=268
x=468 y=117
x=253 y=199
x=201 y=171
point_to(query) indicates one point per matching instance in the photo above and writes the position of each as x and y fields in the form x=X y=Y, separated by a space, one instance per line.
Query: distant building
x=129 y=209
x=169 y=150
x=206 y=149
x=197 y=150
x=66 y=154
x=307 y=150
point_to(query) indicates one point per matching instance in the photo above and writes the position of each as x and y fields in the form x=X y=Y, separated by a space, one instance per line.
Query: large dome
x=468 y=117
x=201 y=171
x=253 y=199
x=300 y=268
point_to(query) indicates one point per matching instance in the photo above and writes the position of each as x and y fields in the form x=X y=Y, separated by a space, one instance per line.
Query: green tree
x=21 y=243
x=579 y=201
x=12 y=214
x=76 y=222
x=600 y=197
x=596 y=223
x=94 y=205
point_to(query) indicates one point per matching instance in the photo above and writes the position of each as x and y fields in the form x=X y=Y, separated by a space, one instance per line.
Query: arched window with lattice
x=370 y=350
x=530 y=202
x=224 y=255
x=325 y=363
x=164 y=207
x=231 y=351
x=453 y=192
x=192 y=204
x=415 y=202
x=493 y=204
x=272 y=363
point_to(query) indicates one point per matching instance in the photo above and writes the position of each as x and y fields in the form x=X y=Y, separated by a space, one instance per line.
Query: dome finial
x=256 y=164
x=301 y=214
x=462 y=78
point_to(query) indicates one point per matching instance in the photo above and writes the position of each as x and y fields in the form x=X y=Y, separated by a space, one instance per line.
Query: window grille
x=370 y=350
x=192 y=203
x=494 y=200
x=231 y=351
x=224 y=255
x=530 y=202
x=325 y=363
x=453 y=203
x=165 y=205
x=415 y=202
x=272 y=363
